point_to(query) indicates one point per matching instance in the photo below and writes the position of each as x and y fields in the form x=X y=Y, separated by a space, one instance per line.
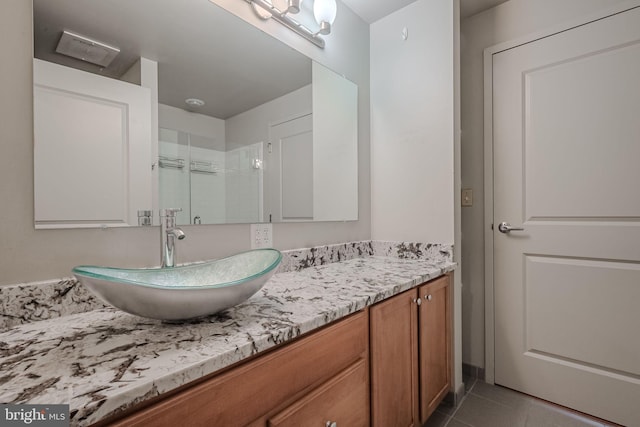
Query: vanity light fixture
x=324 y=11
x=294 y=6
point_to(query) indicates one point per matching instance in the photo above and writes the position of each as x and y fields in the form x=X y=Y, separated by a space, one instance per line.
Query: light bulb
x=294 y=6
x=325 y=13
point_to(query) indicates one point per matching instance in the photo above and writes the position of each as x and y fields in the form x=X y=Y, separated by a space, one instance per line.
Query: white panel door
x=92 y=149
x=566 y=152
x=290 y=169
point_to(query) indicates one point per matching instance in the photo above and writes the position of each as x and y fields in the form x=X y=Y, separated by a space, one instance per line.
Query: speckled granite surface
x=104 y=361
x=31 y=302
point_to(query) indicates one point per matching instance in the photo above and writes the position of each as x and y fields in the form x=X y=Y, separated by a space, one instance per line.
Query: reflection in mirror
x=221 y=162
x=212 y=185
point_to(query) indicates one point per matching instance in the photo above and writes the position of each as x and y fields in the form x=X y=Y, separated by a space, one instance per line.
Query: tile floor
x=487 y=405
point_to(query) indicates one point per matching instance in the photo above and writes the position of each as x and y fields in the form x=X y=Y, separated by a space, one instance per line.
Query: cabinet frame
x=410 y=347
x=435 y=352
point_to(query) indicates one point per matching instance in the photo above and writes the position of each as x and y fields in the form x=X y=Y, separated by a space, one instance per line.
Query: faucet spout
x=168 y=235
x=177 y=233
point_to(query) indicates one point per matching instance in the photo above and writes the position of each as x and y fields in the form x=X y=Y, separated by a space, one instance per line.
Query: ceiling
x=190 y=41
x=372 y=10
x=471 y=7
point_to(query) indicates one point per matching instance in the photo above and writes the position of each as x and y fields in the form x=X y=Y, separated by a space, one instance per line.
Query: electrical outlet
x=261 y=236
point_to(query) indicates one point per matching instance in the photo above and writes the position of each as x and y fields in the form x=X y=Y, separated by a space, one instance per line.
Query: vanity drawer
x=264 y=385
x=341 y=401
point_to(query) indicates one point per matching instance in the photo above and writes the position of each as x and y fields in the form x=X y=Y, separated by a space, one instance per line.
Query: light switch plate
x=261 y=236
x=467 y=197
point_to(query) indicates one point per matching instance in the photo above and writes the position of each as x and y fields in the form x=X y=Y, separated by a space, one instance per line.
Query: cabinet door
x=343 y=400
x=435 y=348
x=394 y=364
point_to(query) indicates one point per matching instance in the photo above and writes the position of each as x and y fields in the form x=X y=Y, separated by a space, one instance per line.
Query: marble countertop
x=104 y=361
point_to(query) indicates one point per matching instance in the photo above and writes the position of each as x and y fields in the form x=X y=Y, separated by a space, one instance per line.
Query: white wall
x=193 y=123
x=346 y=52
x=412 y=124
x=414 y=133
x=145 y=73
x=253 y=125
x=508 y=21
x=335 y=148
x=28 y=255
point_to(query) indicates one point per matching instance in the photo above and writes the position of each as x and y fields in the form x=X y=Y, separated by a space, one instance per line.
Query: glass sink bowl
x=182 y=292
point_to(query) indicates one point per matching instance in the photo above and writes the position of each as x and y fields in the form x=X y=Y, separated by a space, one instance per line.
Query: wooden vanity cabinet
x=410 y=346
x=388 y=365
x=394 y=361
x=315 y=377
x=434 y=320
x=341 y=401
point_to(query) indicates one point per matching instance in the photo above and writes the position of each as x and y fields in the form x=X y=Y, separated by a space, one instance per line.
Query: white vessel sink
x=182 y=292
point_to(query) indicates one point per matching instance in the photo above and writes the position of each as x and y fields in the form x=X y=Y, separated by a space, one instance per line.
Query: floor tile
x=490 y=405
x=468 y=383
x=478 y=411
x=501 y=395
x=541 y=414
x=446 y=409
x=437 y=419
x=456 y=423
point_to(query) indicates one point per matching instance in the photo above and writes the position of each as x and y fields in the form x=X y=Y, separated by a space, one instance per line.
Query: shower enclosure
x=210 y=185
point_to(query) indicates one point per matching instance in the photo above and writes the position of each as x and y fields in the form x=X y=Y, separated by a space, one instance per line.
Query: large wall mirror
x=146 y=104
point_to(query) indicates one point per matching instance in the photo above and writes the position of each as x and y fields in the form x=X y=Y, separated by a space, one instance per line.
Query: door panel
x=92 y=149
x=602 y=132
x=289 y=170
x=297 y=176
x=566 y=147
x=435 y=346
x=394 y=362
x=583 y=299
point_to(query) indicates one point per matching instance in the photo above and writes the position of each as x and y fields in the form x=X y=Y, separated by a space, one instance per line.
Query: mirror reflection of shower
x=211 y=185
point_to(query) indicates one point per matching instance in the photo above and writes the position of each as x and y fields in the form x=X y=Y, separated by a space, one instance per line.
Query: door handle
x=505 y=227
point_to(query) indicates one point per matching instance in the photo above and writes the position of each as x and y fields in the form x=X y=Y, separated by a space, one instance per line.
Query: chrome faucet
x=168 y=234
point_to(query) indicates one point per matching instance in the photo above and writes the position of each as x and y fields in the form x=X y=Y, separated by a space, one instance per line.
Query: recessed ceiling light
x=194 y=102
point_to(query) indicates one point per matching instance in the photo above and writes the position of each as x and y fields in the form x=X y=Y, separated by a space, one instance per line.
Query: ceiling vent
x=85 y=49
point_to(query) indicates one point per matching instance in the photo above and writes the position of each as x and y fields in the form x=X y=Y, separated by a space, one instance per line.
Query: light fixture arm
x=325 y=28
x=286 y=20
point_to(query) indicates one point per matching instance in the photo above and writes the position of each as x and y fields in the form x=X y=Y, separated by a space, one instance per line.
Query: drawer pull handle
x=428 y=297
x=418 y=301
x=331 y=424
